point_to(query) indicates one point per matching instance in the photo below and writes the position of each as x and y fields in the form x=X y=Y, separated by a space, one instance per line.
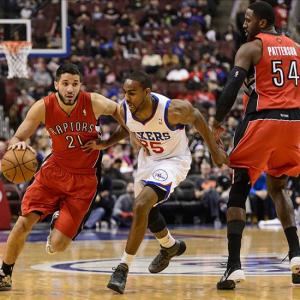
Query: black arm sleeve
x=230 y=91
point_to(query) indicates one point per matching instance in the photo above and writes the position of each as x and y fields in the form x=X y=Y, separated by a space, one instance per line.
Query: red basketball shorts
x=53 y=189
x=268 y=141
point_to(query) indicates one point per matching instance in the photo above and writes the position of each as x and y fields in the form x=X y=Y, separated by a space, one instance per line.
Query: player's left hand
x=218 y=130
x=92 y=145
x=219 y=157
x=137 y=144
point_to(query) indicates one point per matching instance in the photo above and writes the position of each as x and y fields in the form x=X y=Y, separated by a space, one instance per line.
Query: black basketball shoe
x=5 y=282
x=232 y=276
x=118 y=279
x=162 y=260
x=294 y=258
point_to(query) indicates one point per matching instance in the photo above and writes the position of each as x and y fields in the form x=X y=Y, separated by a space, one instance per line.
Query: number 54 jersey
x=69 y=132
x=156 y=134
x=273 y=82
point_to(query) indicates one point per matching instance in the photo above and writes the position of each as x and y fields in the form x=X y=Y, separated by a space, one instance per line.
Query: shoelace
x=284 y=259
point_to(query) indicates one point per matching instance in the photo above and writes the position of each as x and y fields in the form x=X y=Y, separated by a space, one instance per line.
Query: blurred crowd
x=187 y=57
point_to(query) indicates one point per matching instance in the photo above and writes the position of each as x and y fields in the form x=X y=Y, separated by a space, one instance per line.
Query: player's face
x=68 y=88
x=135 y=96
x=251 y=25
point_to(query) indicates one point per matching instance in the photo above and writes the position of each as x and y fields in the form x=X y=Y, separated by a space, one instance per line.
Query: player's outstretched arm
x=105 y=106
x=34 y=117
x=182 y=112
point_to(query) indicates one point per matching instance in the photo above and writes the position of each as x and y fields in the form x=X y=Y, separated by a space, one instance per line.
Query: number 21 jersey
x=69 y=132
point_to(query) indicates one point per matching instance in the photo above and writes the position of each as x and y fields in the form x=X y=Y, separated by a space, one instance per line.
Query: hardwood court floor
x=82 y=272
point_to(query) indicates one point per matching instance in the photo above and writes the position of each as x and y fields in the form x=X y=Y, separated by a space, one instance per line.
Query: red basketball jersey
x=70 y=132
x=272 y=83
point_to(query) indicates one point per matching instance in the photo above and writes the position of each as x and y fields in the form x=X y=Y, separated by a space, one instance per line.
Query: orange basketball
x=18 y=166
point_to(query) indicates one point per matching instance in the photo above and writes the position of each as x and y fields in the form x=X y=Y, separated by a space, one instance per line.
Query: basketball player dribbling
x=68 y=178
x=268 y=138
x=158 y=123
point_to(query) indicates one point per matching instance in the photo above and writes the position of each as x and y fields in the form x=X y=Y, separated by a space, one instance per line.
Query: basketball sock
x=7 y=269
x=235 y=230
x=292 y=238
x=127 y=259
x=168 y=241
x=234 y=247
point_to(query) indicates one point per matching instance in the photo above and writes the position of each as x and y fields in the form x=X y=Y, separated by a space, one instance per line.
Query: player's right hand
x=21 y=146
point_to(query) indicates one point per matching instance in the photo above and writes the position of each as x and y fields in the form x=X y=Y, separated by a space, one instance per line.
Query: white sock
x=168 y=241
x=127 y=259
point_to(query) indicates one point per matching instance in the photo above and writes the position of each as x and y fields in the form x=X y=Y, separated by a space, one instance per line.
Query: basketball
x=18 y=166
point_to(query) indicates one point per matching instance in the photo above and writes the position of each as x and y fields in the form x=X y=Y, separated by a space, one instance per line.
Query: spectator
x=205 y=97
x=26 y=12
x=27 y=84
x=110 y=12
x=295 y=35
x=169 y=15
x=205 y=191
x=284 y=29
x=134 y=34
x=78 y=28
x=82 y=49
x=240 y=19
x=282 y=13
x=131 y=51
x=261 y=203
x=90 y=68
x=196 y=18
x=96 y=14
x=178 y=74
x=123 y=209
x=111 y=171
x=184 y=34
x=42 y=77
x=170 y=59
x=232 y=35
x=83 y=13
x=102 y=207
x=185 y=95
x=151 y=61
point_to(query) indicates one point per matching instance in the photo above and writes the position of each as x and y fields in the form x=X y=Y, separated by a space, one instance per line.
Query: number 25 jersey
x=69 y=132
x=273 y=82
x=156 y=134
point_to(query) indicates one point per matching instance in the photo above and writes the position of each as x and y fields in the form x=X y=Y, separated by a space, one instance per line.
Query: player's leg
x=169 y=246
x=14 y=246
x=236 y=221
x=285 y=212
x=141 y=208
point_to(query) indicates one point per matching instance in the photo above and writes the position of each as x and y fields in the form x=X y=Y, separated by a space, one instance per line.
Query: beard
x=67 y=102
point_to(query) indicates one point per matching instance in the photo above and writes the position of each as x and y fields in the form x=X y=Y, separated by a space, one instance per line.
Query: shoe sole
x=181 y=250
x=295 y=265
x=115 y=288
x=237 y=277
x=295 y=278
x=48 y=251
x=4 y=289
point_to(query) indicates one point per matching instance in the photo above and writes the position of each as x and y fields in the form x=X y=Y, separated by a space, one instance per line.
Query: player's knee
x=21 y=228
x=239 y=190
x=275 y=186
x=140 y=207
x=58 y=244
x=156 y=221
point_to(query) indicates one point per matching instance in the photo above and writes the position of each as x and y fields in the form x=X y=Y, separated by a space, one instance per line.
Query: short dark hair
x=142 y=77
x=67 y=68
x=264 y=10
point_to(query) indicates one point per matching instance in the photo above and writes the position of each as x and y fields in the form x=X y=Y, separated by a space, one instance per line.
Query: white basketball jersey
x=156 y=134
